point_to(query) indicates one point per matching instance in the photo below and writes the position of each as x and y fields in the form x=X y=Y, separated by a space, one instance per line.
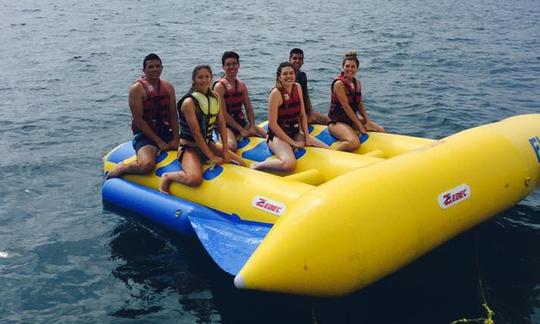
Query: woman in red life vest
x=200 y=112
x=346 y=104
x=287 y=122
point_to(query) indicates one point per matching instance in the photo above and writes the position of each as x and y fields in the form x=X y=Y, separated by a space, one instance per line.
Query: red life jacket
x=354 y=96
x=156 y=106
x=289 y=112
x=234 y=99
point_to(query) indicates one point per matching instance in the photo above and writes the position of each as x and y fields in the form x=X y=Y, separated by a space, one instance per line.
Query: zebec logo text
x=454 y=196
x=268 y=205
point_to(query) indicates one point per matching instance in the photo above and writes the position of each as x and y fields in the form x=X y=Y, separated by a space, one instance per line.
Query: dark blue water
x=428 y=68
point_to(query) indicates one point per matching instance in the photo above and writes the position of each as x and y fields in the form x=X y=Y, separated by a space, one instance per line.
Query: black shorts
x=140 y=140
x=198 y=151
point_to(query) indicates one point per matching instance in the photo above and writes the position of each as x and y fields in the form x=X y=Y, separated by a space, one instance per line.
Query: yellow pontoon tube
x=361 y=226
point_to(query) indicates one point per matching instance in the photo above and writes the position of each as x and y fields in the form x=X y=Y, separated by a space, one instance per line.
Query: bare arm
x=222 y=127
x=307 y=104
x=136 y=99
x=368 y=123
x=249 y=108
x=173 y=115
x=303 y=117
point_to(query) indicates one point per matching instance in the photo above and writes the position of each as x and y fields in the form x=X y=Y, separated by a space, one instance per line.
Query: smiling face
x=287 y=76
x=297 y=60
x=230 y=67
x=152 y=69
x=350 y=68
x=202 y=80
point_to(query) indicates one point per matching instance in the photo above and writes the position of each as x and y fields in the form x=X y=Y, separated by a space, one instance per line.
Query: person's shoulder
x=275 y=91
x=219 y=85
x=136 y=87
x=215 y=93
x=167 y=84
x=187 y=101
x=241 y=84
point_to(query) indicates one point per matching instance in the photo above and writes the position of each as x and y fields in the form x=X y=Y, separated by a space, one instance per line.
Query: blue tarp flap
x=228 y=240
x=165 y=209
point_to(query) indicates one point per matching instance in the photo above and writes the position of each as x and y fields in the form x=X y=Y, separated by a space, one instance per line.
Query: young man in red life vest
x=296 y=57
x=154 y=118
x=235 y=95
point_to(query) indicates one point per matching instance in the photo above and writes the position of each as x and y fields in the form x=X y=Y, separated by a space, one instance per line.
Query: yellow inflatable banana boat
x=340 y=221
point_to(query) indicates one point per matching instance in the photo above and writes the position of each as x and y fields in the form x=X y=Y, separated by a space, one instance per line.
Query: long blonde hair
x=282 y=65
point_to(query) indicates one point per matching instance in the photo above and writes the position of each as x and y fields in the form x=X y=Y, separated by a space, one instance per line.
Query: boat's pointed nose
x=318 y=253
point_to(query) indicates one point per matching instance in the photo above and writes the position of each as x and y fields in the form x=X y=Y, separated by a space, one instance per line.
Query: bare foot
x=164 y=184
x=116 y=172
x=255 y=165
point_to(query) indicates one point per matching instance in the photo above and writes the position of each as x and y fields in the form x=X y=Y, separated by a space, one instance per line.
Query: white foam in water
x=3 y=254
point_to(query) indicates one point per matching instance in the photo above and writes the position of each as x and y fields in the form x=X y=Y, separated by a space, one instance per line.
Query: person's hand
x=298 y=144
x=373 y=127
x=361 y=128
x=164 y=147
x=244 y=132
x=216 y=159
x=226 y=156
x=173 y=144
x=252 y=131
x=310 y=141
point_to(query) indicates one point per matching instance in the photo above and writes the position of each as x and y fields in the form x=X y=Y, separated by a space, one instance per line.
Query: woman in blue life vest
x=199 y=113
x=287 y=122
x=348 y=115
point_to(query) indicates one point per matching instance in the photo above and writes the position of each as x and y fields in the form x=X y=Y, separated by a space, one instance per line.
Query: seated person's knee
x=289 y=165
x=193 y=180
x=146 y=166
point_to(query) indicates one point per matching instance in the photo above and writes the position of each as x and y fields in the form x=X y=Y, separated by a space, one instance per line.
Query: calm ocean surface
x=429 y=68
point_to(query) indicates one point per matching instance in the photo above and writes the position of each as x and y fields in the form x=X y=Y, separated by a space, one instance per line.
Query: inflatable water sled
x=340 y=221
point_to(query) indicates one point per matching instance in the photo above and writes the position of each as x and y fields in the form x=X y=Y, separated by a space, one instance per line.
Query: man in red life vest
x=154 y=118
x=236 y=96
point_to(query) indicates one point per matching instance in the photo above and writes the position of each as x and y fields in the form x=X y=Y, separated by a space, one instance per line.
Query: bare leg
x=231 y=140
x=217 y=150
x=373 y=126
x=318 y=118
x=316 y=142
x=191 y=175
x=347 y=136
x=146 y=161
x=285 y=157
x=260 y=131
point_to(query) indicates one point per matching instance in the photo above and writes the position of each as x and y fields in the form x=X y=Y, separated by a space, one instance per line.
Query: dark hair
x=194 y=73
x=150 y=57
x=296 y=51
x=350 y=56
x=278 y=72
x=229 y=54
